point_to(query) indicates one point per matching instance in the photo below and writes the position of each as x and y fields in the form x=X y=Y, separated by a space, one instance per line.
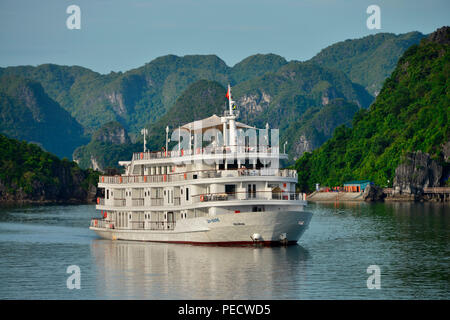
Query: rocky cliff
x=417 y=171
x=112 y=132
x=410 y=114
x=108 y=145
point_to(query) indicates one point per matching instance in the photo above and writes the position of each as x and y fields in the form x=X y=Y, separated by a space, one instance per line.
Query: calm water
x=409 y=242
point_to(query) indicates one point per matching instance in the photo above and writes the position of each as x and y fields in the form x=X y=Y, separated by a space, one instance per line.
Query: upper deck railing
x=193 y=175
x=257 y=195
x=204 y=151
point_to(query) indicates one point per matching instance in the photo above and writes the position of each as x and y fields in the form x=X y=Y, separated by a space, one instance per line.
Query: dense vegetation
x=27 y=173
x=256 y=66
x=281 y=98
x=267 y=87
x=411 y=113
x=142 y=95
x=27 y=112
x=316 y=126
x=109 y=145
x=200 y=99
x=370 y=60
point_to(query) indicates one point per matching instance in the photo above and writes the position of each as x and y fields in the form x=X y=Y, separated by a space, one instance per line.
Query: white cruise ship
x=221 y=184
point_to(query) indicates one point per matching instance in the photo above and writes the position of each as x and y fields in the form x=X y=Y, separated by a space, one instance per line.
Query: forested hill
x=28 y=113
x=200 y=100
x=29 y=174
x=267 y=87
x=368 y=61
x=411 y=113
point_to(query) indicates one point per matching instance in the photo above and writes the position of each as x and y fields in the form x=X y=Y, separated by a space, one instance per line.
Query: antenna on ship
x=167 y=140
x=144 y=132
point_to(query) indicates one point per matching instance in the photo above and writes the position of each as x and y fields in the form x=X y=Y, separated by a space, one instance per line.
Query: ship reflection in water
x=169 y=271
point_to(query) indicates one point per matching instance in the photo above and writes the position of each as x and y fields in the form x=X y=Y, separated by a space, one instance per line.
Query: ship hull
x=267 y=228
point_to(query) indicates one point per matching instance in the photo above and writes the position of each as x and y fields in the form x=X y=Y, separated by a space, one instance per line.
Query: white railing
x=204 y=151
x=102 y=223
x=120 y=202
x=156 y=202
x=135 y=225
x=258 y=195
x=193 y=175
x=137 y=202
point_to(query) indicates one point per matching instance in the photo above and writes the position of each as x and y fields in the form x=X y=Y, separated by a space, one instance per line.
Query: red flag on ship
x=228 y=93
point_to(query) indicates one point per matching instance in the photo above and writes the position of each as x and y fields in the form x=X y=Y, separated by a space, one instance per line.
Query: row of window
x=159 y=170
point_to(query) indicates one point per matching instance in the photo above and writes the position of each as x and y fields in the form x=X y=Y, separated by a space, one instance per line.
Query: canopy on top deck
x=212 y=122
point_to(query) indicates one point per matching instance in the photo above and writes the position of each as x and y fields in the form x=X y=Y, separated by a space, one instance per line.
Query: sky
x=119 y=35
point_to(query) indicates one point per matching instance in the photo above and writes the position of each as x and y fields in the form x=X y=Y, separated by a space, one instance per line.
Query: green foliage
x=28 y=113
x=104 y=154
x=140 y=97
x=318 y=123
x=286 y=95
x=199 y=99
x=411 y=113
x=134 y=98
x=25 y=166
x=370 y=60
x=256 y=66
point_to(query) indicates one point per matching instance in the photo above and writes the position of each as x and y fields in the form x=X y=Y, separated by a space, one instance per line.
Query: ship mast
x=231 y=120
x=230 y=100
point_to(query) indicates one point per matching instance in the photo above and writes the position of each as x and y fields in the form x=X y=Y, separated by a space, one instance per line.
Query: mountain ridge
x=27 y=112
x=410 y=116
x=140 y=96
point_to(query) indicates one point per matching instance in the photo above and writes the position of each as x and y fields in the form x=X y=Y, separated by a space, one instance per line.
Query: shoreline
x=335 y=197
x=25 y=202
x=341 y=196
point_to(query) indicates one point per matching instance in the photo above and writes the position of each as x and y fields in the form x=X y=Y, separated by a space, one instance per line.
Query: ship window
x=181 y=190
x=187 y=194
x=164 y=192
x=230 y=188
x=107 y=194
